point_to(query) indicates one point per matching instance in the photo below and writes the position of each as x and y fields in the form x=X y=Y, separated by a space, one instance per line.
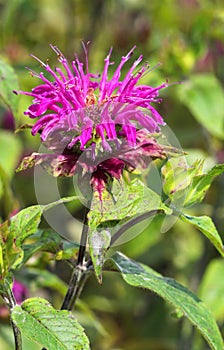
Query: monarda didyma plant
x=107 y=133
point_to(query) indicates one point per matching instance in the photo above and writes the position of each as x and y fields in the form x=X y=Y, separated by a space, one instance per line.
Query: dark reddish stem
x=78 y=274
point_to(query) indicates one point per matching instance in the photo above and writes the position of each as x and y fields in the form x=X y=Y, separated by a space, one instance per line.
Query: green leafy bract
x=201 y=184
x=53 y=329
x=178 y=178
x=128 y=200
x=188 y=185
x=139 y=275
x=99 y=242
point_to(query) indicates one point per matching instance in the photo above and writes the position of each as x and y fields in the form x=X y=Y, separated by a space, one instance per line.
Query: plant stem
x=17 y=336
x=83 y=240
x=72 y=289
x=77 y=280
x=78 y=290
x=11 y=303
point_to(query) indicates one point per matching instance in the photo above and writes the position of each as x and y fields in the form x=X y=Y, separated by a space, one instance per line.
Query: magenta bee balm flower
x=80 y=112
x=56 y=102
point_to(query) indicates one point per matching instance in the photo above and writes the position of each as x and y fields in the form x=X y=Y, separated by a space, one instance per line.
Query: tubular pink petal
x=129 y=74
x=110 y=130
x=130 y=132
x=100 y=132
x=86 y=55
x=85 y=136
x=63 y=77
x=156 y=116
x=41 y=123
x=73 y=142
x=104 y=77
x=114 y=81
x=48 y=129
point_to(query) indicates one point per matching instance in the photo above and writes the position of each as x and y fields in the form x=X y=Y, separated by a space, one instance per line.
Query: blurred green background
x=187 y=38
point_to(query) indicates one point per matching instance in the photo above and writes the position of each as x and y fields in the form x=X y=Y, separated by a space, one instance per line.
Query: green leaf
x=49 y=241
x=9 y=251
x=21 y=226
x=99 y=241
x=204 y=96
x=13 y=234
x=211 y=289
x=207 y=227
x=25 y=223
x=42 y=240
x=53 y=329
x=201 y=184
x=8 y=83
x=180 y=297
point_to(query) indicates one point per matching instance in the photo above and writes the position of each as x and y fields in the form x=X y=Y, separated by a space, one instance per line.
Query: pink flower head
x=80 y=112
x=69 y=102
